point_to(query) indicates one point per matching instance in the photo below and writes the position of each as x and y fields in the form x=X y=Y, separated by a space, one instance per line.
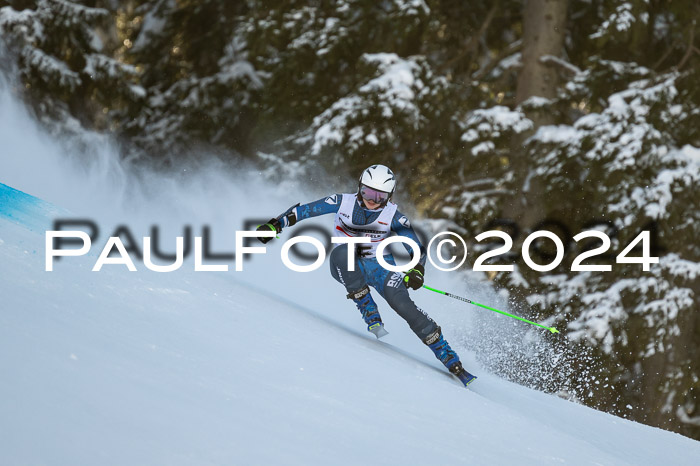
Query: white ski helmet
x=378 y=178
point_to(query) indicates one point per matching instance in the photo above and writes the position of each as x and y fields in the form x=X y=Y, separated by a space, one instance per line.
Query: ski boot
x=448 y=357
x=364 y=302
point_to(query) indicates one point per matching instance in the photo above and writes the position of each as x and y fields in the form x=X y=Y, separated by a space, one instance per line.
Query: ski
x=466 y=378
x=462 y=374
x=378 y=330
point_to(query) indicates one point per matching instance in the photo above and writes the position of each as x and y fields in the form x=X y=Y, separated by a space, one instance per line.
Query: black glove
x=414 y=277
x=272 y=225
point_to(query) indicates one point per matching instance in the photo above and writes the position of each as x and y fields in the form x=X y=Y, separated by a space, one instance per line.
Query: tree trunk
x=544 y=23
x=544 y=28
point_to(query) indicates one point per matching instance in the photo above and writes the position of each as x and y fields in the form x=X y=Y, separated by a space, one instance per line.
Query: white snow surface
x=114 y=367
x=264 y=366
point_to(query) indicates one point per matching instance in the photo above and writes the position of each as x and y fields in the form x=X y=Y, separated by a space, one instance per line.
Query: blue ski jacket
x=360 y=216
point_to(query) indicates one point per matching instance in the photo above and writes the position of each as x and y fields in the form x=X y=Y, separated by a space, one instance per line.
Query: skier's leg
x=356 y=286
x=422 y=325
x=396 y=294
x=448 y=357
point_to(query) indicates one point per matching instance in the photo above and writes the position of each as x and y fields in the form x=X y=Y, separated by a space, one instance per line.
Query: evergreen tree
x=64 y=59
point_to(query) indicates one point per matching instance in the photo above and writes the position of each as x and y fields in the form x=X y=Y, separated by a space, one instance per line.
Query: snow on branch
x=51 y=69
x=396 y=92
x=22 y=24
x=566 y=67
x=484 y=126
x=102 y=66
x=621 y=20
x=69 y=13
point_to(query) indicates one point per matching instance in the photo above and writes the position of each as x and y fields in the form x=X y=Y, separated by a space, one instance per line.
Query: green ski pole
x=551 y=329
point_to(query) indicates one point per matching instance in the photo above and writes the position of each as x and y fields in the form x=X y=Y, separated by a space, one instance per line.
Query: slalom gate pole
x=551 y=329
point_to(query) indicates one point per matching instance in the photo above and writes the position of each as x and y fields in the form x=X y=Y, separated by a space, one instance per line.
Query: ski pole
x=551 y=329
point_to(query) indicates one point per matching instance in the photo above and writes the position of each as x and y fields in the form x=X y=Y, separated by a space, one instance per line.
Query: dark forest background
x=562 y=115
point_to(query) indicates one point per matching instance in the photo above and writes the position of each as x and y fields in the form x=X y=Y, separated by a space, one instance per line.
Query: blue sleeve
x=401 y=226
x=323 y=206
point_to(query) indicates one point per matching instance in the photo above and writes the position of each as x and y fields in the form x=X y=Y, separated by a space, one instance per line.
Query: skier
x=369 y=213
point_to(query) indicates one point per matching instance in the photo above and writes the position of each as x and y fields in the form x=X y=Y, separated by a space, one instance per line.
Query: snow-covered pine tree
x=622 y=158
x=61 y=53
x=201 y=88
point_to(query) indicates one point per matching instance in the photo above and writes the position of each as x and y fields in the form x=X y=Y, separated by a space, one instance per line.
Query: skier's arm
x=297 y=212
x=414 y=277
x=323 y=206
x=401 y=226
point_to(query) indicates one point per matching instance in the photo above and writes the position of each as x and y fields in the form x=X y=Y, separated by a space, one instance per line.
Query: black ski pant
x=389 y=284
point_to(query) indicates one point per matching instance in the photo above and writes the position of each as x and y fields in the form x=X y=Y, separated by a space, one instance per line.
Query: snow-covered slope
x=264 y=366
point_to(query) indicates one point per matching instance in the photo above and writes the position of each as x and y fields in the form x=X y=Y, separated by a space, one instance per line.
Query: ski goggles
x=369 y=194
